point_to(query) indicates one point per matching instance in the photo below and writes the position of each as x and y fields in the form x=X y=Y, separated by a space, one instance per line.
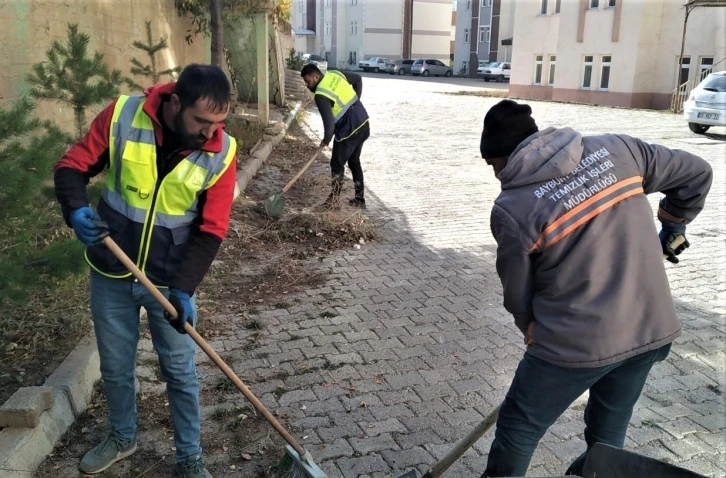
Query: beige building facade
x=611 y=52
x=30 y=26
x=346 y=32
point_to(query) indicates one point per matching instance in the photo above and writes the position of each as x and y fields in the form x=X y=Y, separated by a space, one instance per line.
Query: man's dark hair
x=203 y=82
x=309 y=69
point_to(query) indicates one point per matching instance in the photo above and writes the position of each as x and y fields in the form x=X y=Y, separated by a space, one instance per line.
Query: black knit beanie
x=505 y=126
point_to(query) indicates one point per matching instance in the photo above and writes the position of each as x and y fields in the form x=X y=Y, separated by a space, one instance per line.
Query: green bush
x=293 y=61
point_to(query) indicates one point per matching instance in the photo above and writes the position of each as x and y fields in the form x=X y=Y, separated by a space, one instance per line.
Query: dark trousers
x=541 y=392
x=348 y=151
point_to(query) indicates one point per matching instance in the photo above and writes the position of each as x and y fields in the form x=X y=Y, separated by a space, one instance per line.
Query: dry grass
x=247 y=133
x=487 y=92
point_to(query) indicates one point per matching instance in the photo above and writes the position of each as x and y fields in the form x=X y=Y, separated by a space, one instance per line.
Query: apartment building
x=303 y=22
x=347 y=31
x=480 y=25
x=612 y=52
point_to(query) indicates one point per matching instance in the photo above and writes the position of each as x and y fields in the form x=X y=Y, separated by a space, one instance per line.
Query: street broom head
x=293 y=465
x=274 y=205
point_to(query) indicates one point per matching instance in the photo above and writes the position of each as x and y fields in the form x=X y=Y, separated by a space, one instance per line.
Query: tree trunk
x=80 y=114
x=217 y=28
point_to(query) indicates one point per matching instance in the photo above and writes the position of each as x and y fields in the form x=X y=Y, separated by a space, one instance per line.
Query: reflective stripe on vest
x=336 y=88
x=132 y=187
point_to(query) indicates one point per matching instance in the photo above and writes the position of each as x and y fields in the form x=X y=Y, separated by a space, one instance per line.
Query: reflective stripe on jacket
x=150 y=218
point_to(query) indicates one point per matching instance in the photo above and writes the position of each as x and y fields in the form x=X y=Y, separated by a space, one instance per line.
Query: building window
x=543 y=8
x=468 y=4
x=605 y=72
x=353 y=28
x=557 y=6
x=354 y=2
x=611 y=3
x=486 y=3
x=706 y=64
x=685 y=69
x=538 y=70
x=484 y=34
x=587 y=73
x=553 y=62
x=464 y=67
x=594 y=4
x=466 y=35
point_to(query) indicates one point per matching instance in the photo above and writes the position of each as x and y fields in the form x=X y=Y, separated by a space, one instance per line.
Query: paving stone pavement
x=407 y=346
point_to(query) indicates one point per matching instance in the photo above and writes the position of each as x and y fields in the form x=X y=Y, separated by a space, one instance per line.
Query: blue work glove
x=670 y=232
x=88 y=226
x=182 y=302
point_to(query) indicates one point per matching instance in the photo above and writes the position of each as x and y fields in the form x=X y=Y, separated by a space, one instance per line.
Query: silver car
x=399 y=67
x=317 y=60
x=429 y=66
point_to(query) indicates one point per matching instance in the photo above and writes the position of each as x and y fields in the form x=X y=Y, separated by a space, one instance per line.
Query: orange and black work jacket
x=167 y=207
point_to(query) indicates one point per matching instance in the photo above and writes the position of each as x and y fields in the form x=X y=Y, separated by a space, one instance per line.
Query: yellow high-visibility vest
x=336 y=88
x=149 y=218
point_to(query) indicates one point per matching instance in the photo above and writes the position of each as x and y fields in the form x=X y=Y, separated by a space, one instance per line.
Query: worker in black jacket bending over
x=337 y=95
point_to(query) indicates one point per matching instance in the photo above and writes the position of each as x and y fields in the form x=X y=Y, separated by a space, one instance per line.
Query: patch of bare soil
x=263 y=263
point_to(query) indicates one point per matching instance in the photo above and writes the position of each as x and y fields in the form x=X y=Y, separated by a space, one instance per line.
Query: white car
x=499 y=71
x=706 y=105
x=374 y=64
x=482 y=66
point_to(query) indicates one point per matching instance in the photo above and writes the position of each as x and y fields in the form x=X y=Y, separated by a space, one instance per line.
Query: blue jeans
x=541 y=392
x=115 y=306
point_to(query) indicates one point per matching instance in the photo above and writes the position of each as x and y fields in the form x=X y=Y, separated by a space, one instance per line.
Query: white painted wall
x=644 y=59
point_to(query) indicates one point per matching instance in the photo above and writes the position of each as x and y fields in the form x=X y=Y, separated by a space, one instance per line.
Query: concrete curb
x=22 y=450
x=260 y=155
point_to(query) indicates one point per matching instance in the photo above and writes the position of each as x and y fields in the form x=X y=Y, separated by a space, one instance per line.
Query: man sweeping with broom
x=337 y=96
x=166 y=203
x=581 y=265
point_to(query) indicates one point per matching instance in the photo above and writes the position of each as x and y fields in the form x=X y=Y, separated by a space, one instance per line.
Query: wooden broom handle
x=464 y=444
x=121 y=255
x=318 y=150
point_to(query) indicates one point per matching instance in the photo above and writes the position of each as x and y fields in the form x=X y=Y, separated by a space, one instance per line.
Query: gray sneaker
x=110 y=451
x=194 y=467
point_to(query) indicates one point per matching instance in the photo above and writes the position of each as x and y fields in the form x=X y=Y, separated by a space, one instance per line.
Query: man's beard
x=312 y=88
x=183 y=136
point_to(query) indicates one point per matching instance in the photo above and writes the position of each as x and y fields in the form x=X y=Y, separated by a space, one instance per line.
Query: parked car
x=399 y=67
x=482 y=66
x=428 y=66
x=318 y=60
x=499 y=71
x=706 y=105
x=374 y=64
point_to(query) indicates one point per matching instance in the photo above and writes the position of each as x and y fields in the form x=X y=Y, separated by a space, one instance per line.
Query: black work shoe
x=357 y=202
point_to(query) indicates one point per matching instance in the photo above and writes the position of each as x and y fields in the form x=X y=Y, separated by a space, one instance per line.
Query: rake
x=297 y=460
x=276 y=202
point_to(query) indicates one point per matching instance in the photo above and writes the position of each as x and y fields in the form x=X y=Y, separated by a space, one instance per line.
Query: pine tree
x=28 y=149
x=149 y=71
x=73 y=78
